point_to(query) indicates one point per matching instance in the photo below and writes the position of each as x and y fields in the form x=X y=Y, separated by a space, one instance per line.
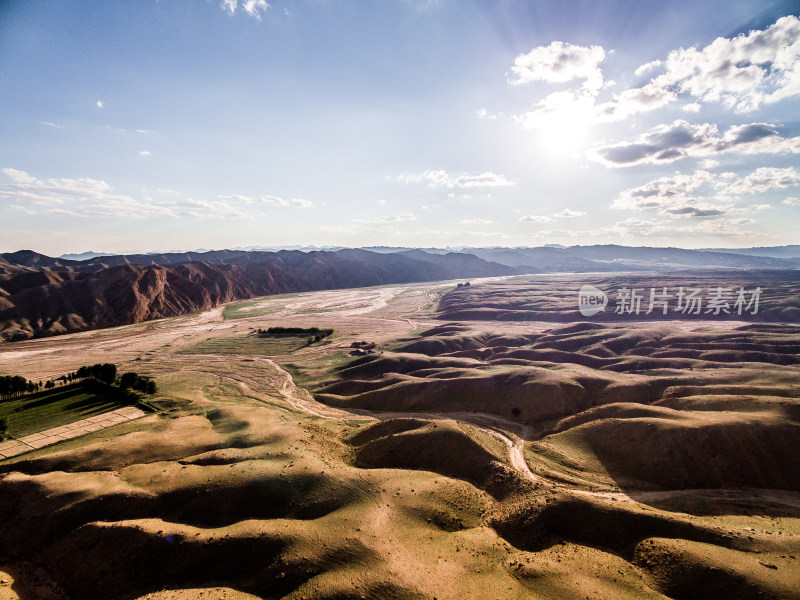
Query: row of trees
x=315 y=333
x=312 y=331
x=105 y=372
x=136 y=382
x=14 y=386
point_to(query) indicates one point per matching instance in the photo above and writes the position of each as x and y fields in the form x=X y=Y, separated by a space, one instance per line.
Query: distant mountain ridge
x=41 y=295
x=790 y=251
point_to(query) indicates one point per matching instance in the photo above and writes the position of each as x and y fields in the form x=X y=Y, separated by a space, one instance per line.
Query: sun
x=562 y=123
x=564 y=132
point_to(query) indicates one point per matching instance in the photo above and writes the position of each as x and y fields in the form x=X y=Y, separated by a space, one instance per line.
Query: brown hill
x=42 y=296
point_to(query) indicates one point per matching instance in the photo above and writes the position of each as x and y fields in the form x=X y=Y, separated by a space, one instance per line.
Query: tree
x=49 y=385
x=3 y=429
x=108 y=373
x=151 y=387
x=128 y=380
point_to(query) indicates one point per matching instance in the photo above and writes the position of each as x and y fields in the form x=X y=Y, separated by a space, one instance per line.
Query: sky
x=161 y=125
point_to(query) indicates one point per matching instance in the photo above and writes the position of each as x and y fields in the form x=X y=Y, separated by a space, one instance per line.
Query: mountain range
x=42 y=295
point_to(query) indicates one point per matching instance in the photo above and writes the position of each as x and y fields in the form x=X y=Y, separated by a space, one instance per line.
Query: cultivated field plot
x=269 y=345
x=53 y=408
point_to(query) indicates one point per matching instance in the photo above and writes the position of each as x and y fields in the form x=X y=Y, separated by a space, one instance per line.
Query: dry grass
x=406 y=483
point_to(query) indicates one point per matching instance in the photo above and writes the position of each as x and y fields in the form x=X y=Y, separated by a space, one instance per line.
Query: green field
x=264 y=305
x=268 y=345
x=54 y=408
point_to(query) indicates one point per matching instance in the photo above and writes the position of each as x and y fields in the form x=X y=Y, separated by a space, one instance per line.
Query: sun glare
x=563 y=129
x=564 y=136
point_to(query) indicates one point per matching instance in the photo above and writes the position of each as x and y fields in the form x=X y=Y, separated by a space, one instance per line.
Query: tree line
x=14 y=386
x=315 y=333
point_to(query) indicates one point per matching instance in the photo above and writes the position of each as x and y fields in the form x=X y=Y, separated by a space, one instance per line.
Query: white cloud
x=99 y=104
x=564 y=214
x=267 y=200
x=629 y=102
x=726 y=228
x=144 y=153
x=561 y=111
x=254 y=8
x=386 y=219
x=792 y=201
x=680 y=139
x=741 y=73
x=648 y=67
x=475 y=222
x=86 y=197
x=441 y=178
x=18 y=176
x=765 y=179
x=560 y=62
x=704 y=194
x=49 y=124
x=568 y=214
x=677 y=195
x=229 y=6
x=83 y=197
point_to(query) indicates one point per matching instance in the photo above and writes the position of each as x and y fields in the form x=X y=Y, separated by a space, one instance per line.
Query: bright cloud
x=386 y=219
x=560 y=63
x=86 y=197
x=564 y=214
x=741 y=73
x=704 y=194
x=99 y=104
x=267 y=201
x=680 y=139
x=254 y=8
x=729 y=228
x=765 y=179
x=568 y=214
x=441 y=178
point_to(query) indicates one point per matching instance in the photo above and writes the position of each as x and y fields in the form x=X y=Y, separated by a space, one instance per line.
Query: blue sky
x=184 y=124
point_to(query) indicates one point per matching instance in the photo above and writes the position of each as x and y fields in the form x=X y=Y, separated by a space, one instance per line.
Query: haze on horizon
x=159 y=125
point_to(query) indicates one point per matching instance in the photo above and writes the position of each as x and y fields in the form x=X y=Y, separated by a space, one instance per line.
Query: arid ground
x=468 y=456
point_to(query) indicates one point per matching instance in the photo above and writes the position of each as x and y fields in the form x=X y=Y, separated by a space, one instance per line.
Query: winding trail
x=302 y=400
